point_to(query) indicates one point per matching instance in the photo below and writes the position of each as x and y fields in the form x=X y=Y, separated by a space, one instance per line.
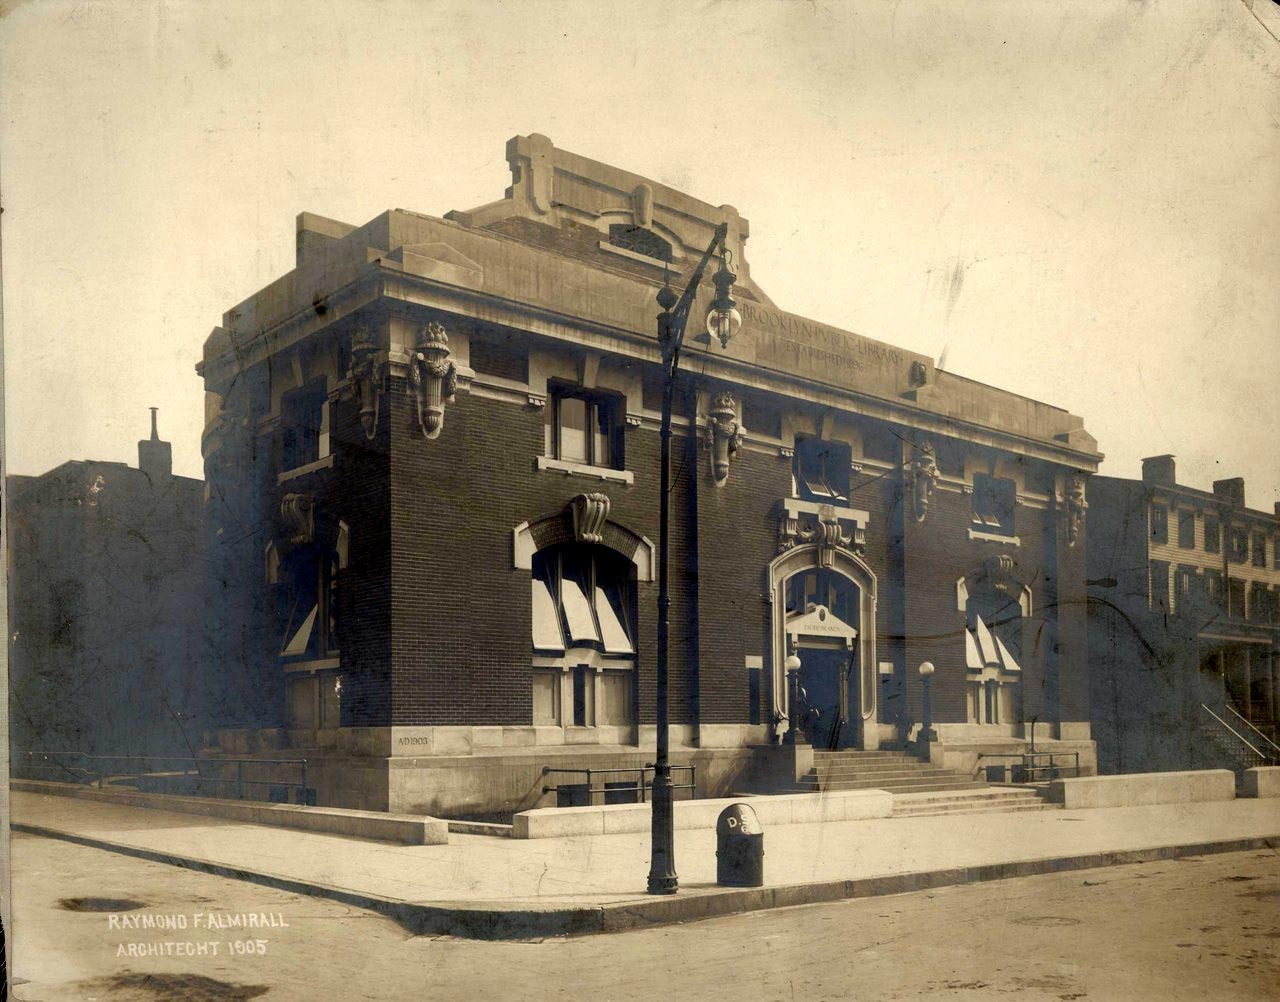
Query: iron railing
x=175 y=774
x=639 y=789
x=1244 y=750
x=1028 y=763
x=1266 y=746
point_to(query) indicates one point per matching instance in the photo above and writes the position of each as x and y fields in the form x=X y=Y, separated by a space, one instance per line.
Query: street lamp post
x=723 y=322
x=927 y=732
x=794 y=735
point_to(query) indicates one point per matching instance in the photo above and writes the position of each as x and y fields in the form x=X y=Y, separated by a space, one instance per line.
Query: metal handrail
x=99 y=775
x=641 y=786
x=1028 y=759
x=1243 y=740
x=1249 y=724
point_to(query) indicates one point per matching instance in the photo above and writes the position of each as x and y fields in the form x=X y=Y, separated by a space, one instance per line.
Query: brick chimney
x=1230 y=491
x=1159 y=470
x=155 y=458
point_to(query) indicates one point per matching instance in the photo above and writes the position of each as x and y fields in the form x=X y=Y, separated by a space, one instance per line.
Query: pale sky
x=1073 y=201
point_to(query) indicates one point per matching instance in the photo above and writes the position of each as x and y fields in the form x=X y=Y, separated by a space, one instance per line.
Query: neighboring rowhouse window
x=304 y=418
x=1187 y=529
x=1212 y=534
x=1159 y=523
x=585 y=427
x=1239 y=540
x=822 y=470
x=993 y=504
x=1259 y=549
x=1160 y=586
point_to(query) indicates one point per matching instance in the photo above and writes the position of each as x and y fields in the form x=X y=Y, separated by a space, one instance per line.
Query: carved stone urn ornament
x=1075 y=505
x=433 y=378
x=924 y=478
x=590 y=512
x=365 y=373
x=724 y=435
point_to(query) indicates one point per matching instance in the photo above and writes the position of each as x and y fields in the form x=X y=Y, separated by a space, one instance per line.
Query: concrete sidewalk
x=497 y=888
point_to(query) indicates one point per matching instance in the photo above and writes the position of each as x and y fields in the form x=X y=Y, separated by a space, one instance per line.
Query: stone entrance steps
x=991 y=800
x=896 y=772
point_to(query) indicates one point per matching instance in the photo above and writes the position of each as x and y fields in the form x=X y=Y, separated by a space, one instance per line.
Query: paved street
x=1198 y=928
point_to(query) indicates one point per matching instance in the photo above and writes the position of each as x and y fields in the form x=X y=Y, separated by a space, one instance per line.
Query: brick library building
x=432 y=452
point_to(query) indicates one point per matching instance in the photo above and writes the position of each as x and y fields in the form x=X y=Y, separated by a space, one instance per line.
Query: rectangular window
x=822 y=470
x=1187 y=529
x=585 y=427
x=1259 y=603
x=1159 y=523
x=1238 y=550
x=1212 y=534
x=1160 y=586
x=1186 y=589
x=304 y=417
x=993 y=504
x=1235 y=598
x=1213 y=589
x=1259 y=549
x=583 y=695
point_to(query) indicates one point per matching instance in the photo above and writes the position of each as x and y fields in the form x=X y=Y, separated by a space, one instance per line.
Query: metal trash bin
x=739 y=847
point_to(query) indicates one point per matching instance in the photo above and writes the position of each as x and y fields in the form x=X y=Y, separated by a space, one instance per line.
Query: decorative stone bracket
x=298 y=515
x=831 y=528
x=433 y=378
x=589 y=512
x=1074 y=506
x=922 y=475
x=366 y=371
x=725 y=435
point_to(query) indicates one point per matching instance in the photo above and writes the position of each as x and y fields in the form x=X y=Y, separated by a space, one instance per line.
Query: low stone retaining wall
x=1263 y=781
x=1144 y=788
x=788 y=809
x=403 y=828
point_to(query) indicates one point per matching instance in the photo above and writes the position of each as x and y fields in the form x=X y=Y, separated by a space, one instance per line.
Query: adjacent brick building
x=1185 y=623
x=107 y=580
x=432 y=457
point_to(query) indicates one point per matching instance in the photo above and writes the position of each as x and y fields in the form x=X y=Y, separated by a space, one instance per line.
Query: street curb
x=529 y=920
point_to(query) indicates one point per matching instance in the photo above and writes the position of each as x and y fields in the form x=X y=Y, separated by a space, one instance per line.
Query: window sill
x=583 y=470
x=675 y=267
x=994 y=537
x=324 y=463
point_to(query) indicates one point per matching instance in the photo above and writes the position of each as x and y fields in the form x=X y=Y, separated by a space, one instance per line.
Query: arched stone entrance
x=837 y=636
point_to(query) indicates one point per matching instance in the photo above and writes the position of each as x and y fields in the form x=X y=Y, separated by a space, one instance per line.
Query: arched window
x=993 y=658
x=583 y=637
x=639 y=240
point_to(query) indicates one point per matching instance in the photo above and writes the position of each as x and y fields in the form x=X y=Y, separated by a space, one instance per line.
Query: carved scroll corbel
x=589 y=512
x=923 y=473
x=433 y=378
x=298 y=512
x=724 y=435
x=366 y=373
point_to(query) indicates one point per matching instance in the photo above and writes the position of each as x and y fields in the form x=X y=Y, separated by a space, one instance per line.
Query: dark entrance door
x=821 y=673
